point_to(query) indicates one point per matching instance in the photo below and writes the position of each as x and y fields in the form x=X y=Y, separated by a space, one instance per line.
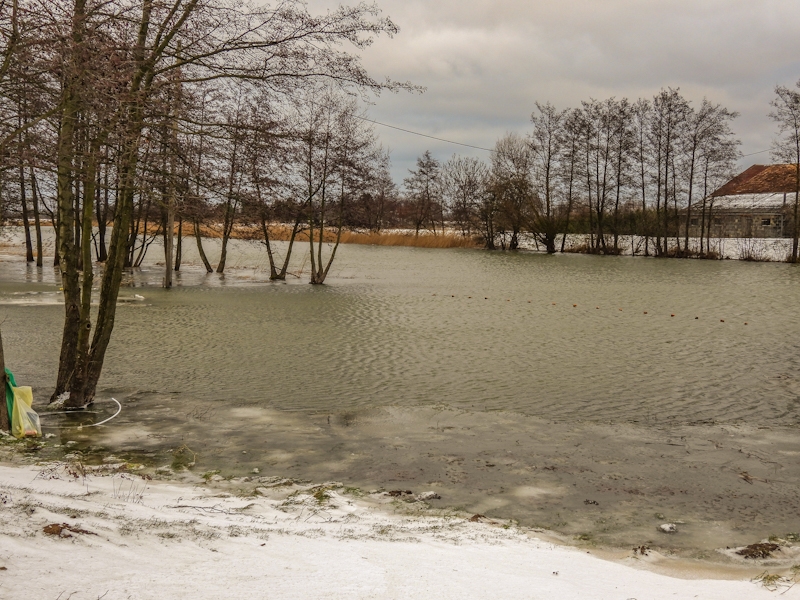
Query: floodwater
x=594 y=396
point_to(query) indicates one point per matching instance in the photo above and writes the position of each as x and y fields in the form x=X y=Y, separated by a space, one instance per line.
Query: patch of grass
x=209 y=474
x=321 y=495
x=183 y=458
x=32 y=445
x=771 y=581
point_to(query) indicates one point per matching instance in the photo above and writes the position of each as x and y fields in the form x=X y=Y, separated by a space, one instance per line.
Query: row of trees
x=123 y=118
x=237 y=154
x=606 y=169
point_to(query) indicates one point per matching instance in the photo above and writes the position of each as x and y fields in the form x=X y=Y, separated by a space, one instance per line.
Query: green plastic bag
x=10 y=385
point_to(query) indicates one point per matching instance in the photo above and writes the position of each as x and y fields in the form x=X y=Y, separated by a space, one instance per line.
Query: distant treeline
x=226 y=155
x=606 y=169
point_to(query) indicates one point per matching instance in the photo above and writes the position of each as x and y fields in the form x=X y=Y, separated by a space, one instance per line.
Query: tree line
x=605 y=169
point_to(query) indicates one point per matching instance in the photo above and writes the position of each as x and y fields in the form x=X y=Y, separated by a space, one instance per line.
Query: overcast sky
x=485 y=62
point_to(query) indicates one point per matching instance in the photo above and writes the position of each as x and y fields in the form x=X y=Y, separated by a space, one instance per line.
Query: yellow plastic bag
x=24 y=421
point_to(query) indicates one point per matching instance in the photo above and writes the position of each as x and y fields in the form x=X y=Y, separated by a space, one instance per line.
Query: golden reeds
x=426 y=240
x=282 y=233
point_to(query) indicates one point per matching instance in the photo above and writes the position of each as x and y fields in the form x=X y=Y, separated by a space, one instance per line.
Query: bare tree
x=512 y=183
x=546 y=145
x=667 y=126
x=707 y=134
x=423 y=192
x=786 y=148
x=463 y=182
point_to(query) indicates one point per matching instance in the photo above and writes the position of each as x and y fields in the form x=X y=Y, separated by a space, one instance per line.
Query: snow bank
x=129 y=537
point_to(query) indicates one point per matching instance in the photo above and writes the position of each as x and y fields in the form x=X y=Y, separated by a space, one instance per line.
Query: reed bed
x=426 y=240
x=282 y=233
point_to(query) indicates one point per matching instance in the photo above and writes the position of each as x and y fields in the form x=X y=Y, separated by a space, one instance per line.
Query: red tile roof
x=761 y=179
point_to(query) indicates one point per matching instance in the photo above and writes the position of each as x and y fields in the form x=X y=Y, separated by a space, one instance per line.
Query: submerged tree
x=546 y=146
x=512 y=185
x=464 y=182
x=423 y=192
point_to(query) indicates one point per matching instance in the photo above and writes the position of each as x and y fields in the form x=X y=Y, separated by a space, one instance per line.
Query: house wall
x=738 y=224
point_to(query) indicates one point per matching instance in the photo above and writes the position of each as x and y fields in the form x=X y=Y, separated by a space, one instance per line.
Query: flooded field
x=595 y=396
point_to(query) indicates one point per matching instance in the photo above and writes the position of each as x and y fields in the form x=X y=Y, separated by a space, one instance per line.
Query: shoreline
x=755 y=249
x=130 y=534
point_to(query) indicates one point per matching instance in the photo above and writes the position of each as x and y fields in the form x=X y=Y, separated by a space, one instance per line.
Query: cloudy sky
x=485 y=62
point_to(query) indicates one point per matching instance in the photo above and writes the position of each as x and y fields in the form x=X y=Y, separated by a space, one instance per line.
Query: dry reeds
x=282 y=233
x=427 y=240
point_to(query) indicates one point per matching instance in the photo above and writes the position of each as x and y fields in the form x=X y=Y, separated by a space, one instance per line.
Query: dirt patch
x=63 y=530
x=761 y=550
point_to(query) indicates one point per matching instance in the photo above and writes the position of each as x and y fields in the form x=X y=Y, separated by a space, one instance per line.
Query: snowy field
x=65 y=533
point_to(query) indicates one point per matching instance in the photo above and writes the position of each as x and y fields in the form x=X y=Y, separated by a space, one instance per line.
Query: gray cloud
x=484 y=63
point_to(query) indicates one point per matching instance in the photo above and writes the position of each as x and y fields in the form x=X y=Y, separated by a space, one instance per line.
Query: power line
x=470 y=145
x=424 y=135
x=438 y=139
x=431 y=137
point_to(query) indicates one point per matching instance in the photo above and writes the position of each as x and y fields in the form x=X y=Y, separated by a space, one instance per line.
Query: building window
x=766 y=222
x=717 y=221
x=692 y=221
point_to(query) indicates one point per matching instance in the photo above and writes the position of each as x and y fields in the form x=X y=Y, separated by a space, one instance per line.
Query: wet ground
x=596 y=484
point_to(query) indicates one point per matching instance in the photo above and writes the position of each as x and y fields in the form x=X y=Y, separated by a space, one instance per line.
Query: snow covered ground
x=117 y=535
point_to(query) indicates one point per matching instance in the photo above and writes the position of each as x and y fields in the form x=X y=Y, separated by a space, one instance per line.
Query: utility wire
x=438 y=139
x=754 y=153
x=431 y=137
x=424 y=135
x=470 y=145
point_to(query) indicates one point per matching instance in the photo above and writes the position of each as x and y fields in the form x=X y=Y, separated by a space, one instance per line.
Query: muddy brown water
x=558 y=391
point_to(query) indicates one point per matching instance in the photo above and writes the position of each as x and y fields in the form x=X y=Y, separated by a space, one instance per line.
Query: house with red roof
x=758 y=202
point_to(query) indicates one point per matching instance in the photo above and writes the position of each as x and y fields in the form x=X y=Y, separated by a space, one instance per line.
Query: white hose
x=119 y=410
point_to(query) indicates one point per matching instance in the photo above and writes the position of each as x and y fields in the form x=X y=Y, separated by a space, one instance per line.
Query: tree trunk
x=25 y=220
x=223 y=256
x=101 y=213
x=273 y=272
x=82 y=392
x=66 y=242
x=169 y=242
x=80 y=374
x=200 y=250
x=179 y=245
x=5 y=418
x=37 y=223
x=796 y=232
